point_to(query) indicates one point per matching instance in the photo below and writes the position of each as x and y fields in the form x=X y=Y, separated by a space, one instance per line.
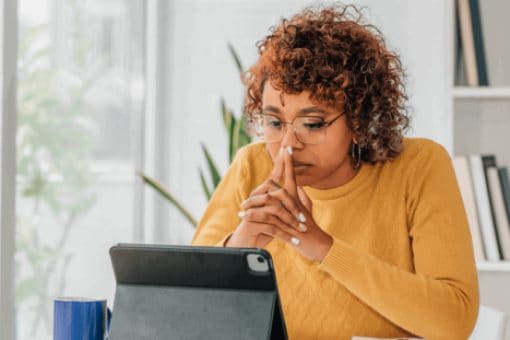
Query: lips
x=296 y=164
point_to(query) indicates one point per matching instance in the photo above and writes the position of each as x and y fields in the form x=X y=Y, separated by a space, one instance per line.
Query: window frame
x=8 y=124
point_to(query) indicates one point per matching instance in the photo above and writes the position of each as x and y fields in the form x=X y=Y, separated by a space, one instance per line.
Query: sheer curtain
x=80 y=125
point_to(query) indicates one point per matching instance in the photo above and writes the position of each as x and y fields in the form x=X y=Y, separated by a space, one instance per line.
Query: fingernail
x=289 y=150
x=302 y=227
x=241 y=214
x=295 y=241
x=244 y=202
x=301 y=217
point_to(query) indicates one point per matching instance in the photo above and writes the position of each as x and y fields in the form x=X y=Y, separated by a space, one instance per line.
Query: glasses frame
x=291 y=123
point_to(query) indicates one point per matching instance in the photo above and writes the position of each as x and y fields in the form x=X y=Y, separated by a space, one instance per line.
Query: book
x=505 y=188
x=467 y=41
x=460 y=75
x=489 y=161
x=494 y=15
x=502 y=226
x=478 y=39
x=461 y=166
x=487 y=229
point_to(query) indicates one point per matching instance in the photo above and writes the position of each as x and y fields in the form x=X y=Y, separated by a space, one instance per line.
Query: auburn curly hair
x=344 y=64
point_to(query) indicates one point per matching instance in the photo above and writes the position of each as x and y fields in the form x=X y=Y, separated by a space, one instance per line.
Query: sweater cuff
x=340 y=259
x=223 y=242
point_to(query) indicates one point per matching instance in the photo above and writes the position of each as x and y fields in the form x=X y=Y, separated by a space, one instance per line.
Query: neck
x=341 y=176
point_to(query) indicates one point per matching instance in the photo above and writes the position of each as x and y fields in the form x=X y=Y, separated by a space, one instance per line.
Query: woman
x=366 y=228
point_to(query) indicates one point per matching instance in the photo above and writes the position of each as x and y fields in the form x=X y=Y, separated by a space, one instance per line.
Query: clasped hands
x=281 y=212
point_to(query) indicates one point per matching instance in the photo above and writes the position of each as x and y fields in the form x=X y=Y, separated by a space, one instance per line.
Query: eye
x=313 y=124
x=273 y=123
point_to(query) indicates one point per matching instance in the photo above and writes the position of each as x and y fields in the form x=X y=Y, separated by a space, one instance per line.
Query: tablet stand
x=152 y=312
x=181 y=293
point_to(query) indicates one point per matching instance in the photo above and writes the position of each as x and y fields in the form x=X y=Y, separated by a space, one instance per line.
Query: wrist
x=227 y=240
x=328 y=243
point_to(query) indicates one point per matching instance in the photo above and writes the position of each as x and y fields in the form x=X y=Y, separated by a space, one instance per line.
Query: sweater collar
x=359 y=180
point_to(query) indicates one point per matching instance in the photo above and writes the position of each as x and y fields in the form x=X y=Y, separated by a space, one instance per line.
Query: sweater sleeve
x=220 y=218
x=439 y=300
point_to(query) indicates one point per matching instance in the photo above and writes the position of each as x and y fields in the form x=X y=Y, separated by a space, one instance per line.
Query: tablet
x=186 y=292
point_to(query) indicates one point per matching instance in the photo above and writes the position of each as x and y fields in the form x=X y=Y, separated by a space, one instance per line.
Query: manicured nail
x=241 y=214
x=245 y=202
x=295 y=241
x=289 y=150
x=301 y=217
x=302 y=227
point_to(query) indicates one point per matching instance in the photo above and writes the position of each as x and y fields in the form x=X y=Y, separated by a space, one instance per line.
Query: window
x=80 y=121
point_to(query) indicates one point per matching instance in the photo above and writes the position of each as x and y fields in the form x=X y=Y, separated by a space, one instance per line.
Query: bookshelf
x=481 y=114
x=485 y=266
x=466 y=92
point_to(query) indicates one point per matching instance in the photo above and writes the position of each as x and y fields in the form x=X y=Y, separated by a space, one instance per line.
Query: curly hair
x=344 y=64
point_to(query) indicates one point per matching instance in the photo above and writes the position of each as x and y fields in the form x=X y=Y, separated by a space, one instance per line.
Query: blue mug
x=80 y=319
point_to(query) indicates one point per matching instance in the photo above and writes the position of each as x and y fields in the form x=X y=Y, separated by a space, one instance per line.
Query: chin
x=302 y=181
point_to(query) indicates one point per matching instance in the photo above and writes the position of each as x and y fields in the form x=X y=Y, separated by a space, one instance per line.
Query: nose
x=289 y=137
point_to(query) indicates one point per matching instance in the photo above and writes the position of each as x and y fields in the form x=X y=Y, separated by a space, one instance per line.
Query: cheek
x=273 y=150
x=331 y=155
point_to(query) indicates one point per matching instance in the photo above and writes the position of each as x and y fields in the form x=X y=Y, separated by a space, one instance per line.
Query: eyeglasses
x=308 y=129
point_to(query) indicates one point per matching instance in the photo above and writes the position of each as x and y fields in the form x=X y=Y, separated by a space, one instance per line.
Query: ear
x=305 y=200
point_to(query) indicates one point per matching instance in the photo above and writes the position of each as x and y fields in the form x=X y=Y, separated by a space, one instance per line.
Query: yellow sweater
x=401 y=263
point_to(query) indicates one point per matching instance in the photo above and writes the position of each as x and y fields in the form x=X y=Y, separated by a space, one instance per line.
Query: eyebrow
x=303 y=111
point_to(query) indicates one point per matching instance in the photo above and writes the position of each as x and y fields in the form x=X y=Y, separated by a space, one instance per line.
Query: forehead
x=289 y=106
x=274 y=97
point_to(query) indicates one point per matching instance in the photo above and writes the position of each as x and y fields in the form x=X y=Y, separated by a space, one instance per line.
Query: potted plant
x=237 y=137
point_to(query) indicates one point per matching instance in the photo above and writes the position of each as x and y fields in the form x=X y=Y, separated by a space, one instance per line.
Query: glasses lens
x=310 y=130
x=271 y=128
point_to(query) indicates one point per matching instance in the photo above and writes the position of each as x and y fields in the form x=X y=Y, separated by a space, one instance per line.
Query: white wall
x=201 y=70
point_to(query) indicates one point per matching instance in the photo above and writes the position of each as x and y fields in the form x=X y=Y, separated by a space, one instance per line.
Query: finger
x=281 y=205
x=267 y=186
x=305 y=200
x=272 y=183
x=281 y=235
x=290 y=177
x=272 y=214
x=278 y=165
x=292 y=206
x=278 y=196
x=274 y=231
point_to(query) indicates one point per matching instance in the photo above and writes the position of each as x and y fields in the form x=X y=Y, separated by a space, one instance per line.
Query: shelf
x=481 y=92
x=503 y=266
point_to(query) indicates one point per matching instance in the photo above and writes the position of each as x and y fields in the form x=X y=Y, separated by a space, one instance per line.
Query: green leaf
x=36 y=186
x=236 y=58
x=226 y=114
x=205 y=187
x=229 y=121
x=213 y=169
x=161 y=190
x=244 y=137
x=240 y=136
x=26 y=289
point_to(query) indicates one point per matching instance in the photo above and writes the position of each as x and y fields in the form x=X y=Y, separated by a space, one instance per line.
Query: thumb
x=305 y=200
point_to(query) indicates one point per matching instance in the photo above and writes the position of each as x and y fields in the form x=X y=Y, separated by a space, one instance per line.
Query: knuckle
x=267 y=198
x=249 y=214
x=266 y=218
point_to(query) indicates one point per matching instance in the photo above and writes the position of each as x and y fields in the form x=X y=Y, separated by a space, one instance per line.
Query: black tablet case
x=174 y=292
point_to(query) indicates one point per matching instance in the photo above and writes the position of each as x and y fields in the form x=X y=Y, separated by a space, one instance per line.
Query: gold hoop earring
x=356 y=155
